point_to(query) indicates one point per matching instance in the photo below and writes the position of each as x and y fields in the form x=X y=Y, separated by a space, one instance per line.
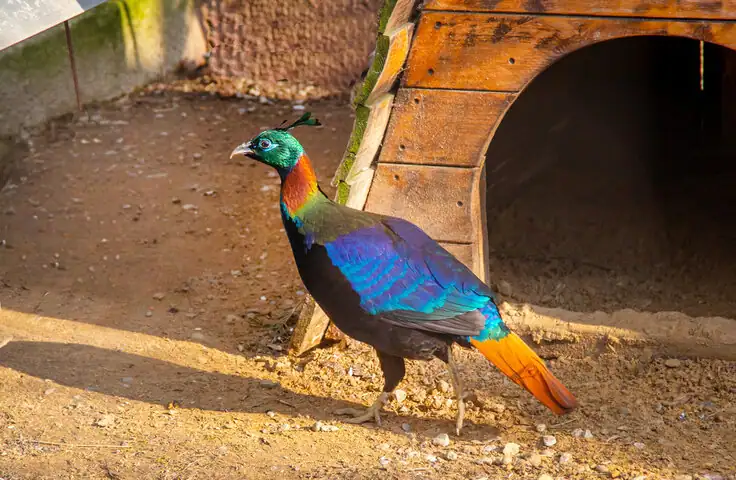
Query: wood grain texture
x=400 y=14
x=398 y=50
x=628 y=8
x=505 y=52
x=461 y=251
x=310 y=327
x=442 y=127
x=437 y=199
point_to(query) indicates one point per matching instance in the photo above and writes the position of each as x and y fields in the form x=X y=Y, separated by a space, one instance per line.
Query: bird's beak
x=243 y=149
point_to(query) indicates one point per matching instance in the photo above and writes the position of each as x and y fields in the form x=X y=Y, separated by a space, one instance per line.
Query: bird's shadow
x=154 y=381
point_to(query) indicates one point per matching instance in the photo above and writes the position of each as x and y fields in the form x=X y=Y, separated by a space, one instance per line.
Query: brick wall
x=324 y=44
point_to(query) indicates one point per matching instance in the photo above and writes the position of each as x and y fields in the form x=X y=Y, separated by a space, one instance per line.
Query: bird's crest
x=305 y=119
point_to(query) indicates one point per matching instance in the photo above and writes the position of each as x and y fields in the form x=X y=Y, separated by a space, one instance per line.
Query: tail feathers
x=519 y=362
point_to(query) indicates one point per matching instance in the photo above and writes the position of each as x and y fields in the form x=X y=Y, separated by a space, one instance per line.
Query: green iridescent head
x=276 y=147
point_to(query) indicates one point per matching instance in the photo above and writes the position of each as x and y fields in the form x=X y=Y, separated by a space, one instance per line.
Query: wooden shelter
x=445 y=74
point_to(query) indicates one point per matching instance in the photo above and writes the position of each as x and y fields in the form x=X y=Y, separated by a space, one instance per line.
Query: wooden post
x=354 y=176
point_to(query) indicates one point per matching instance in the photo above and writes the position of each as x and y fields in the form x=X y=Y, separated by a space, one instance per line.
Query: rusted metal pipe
x=73 y=64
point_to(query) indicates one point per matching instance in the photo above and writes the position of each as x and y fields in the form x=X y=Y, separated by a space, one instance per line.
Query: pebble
x=441 y=440
x=541 y=428
x=504 y=288
x=231 y=318
x=321 y=427
x=430 y=458
x=545 y=476
x=549 y=440
x=399 y=395
x=672 y=363
x=497 y=407
x=127 y=380
x=683 y=477
x=269 y=384
x=443 y=386
x=406 y=427
x=511 y=449
x=488 y=449
x=384 y=461
x=565 y=458
x=159 y=296
x=535 y=459
x=588 y=435
x=197 y=336
x=451 y=455
x=105 y=421
x=602 y=469
x=639 y=445
x=149 y=313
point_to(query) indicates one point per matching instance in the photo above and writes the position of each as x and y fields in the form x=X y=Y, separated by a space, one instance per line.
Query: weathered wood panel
x=360 y=176
x=505 y=52
x=438 y=199
x=628 y=8
x=310 y=327
x=401 y=11
x=398 y=49
x=442 y=127
x=461 y=251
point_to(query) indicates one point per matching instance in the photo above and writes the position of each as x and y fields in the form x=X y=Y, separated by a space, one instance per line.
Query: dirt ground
x=146 y=291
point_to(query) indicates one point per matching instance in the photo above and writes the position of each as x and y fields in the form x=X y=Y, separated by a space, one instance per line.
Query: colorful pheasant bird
x=384 y=282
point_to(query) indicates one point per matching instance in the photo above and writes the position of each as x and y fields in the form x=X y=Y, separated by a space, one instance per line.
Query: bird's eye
x=264 y=144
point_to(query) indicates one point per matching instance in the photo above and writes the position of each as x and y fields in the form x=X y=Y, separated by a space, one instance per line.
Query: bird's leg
x=457 y=385
x=372 y=413
x=393 y=372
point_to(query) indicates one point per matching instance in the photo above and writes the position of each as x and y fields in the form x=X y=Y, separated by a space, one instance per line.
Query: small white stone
x=451 y=455
x=384 y=461
x=549 y=440
x=541 y=428
x=430 y=458
x=565 y=458
x=399 y=395
x=545 y=476
x=441 y=440
x=511 y=449
x=588 y=435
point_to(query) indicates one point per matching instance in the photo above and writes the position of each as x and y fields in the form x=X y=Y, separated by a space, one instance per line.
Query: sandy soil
x=148 y=292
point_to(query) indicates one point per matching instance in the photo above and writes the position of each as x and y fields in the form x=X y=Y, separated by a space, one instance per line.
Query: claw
x=371 y=413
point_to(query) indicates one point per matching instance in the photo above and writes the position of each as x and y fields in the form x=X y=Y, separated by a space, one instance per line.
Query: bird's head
x=276 y=147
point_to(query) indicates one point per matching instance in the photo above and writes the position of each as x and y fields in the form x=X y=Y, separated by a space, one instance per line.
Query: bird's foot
x=372 y=413
x=460 y=414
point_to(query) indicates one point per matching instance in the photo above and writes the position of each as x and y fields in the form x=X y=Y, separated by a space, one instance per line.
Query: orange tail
x=519 y=362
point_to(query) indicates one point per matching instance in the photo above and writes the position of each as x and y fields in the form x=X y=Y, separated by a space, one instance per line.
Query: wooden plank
x=310 y=327
x=400 y=14
x=611 y=8
x=461 y=251
x=425 y=126
x=398 y=50
x=505 y=52
x=437 y=199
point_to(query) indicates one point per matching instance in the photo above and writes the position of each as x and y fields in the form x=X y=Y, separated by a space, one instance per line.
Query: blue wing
x=404 y=277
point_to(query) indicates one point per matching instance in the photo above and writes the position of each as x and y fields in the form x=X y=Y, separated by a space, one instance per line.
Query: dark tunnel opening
x=611 y=181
